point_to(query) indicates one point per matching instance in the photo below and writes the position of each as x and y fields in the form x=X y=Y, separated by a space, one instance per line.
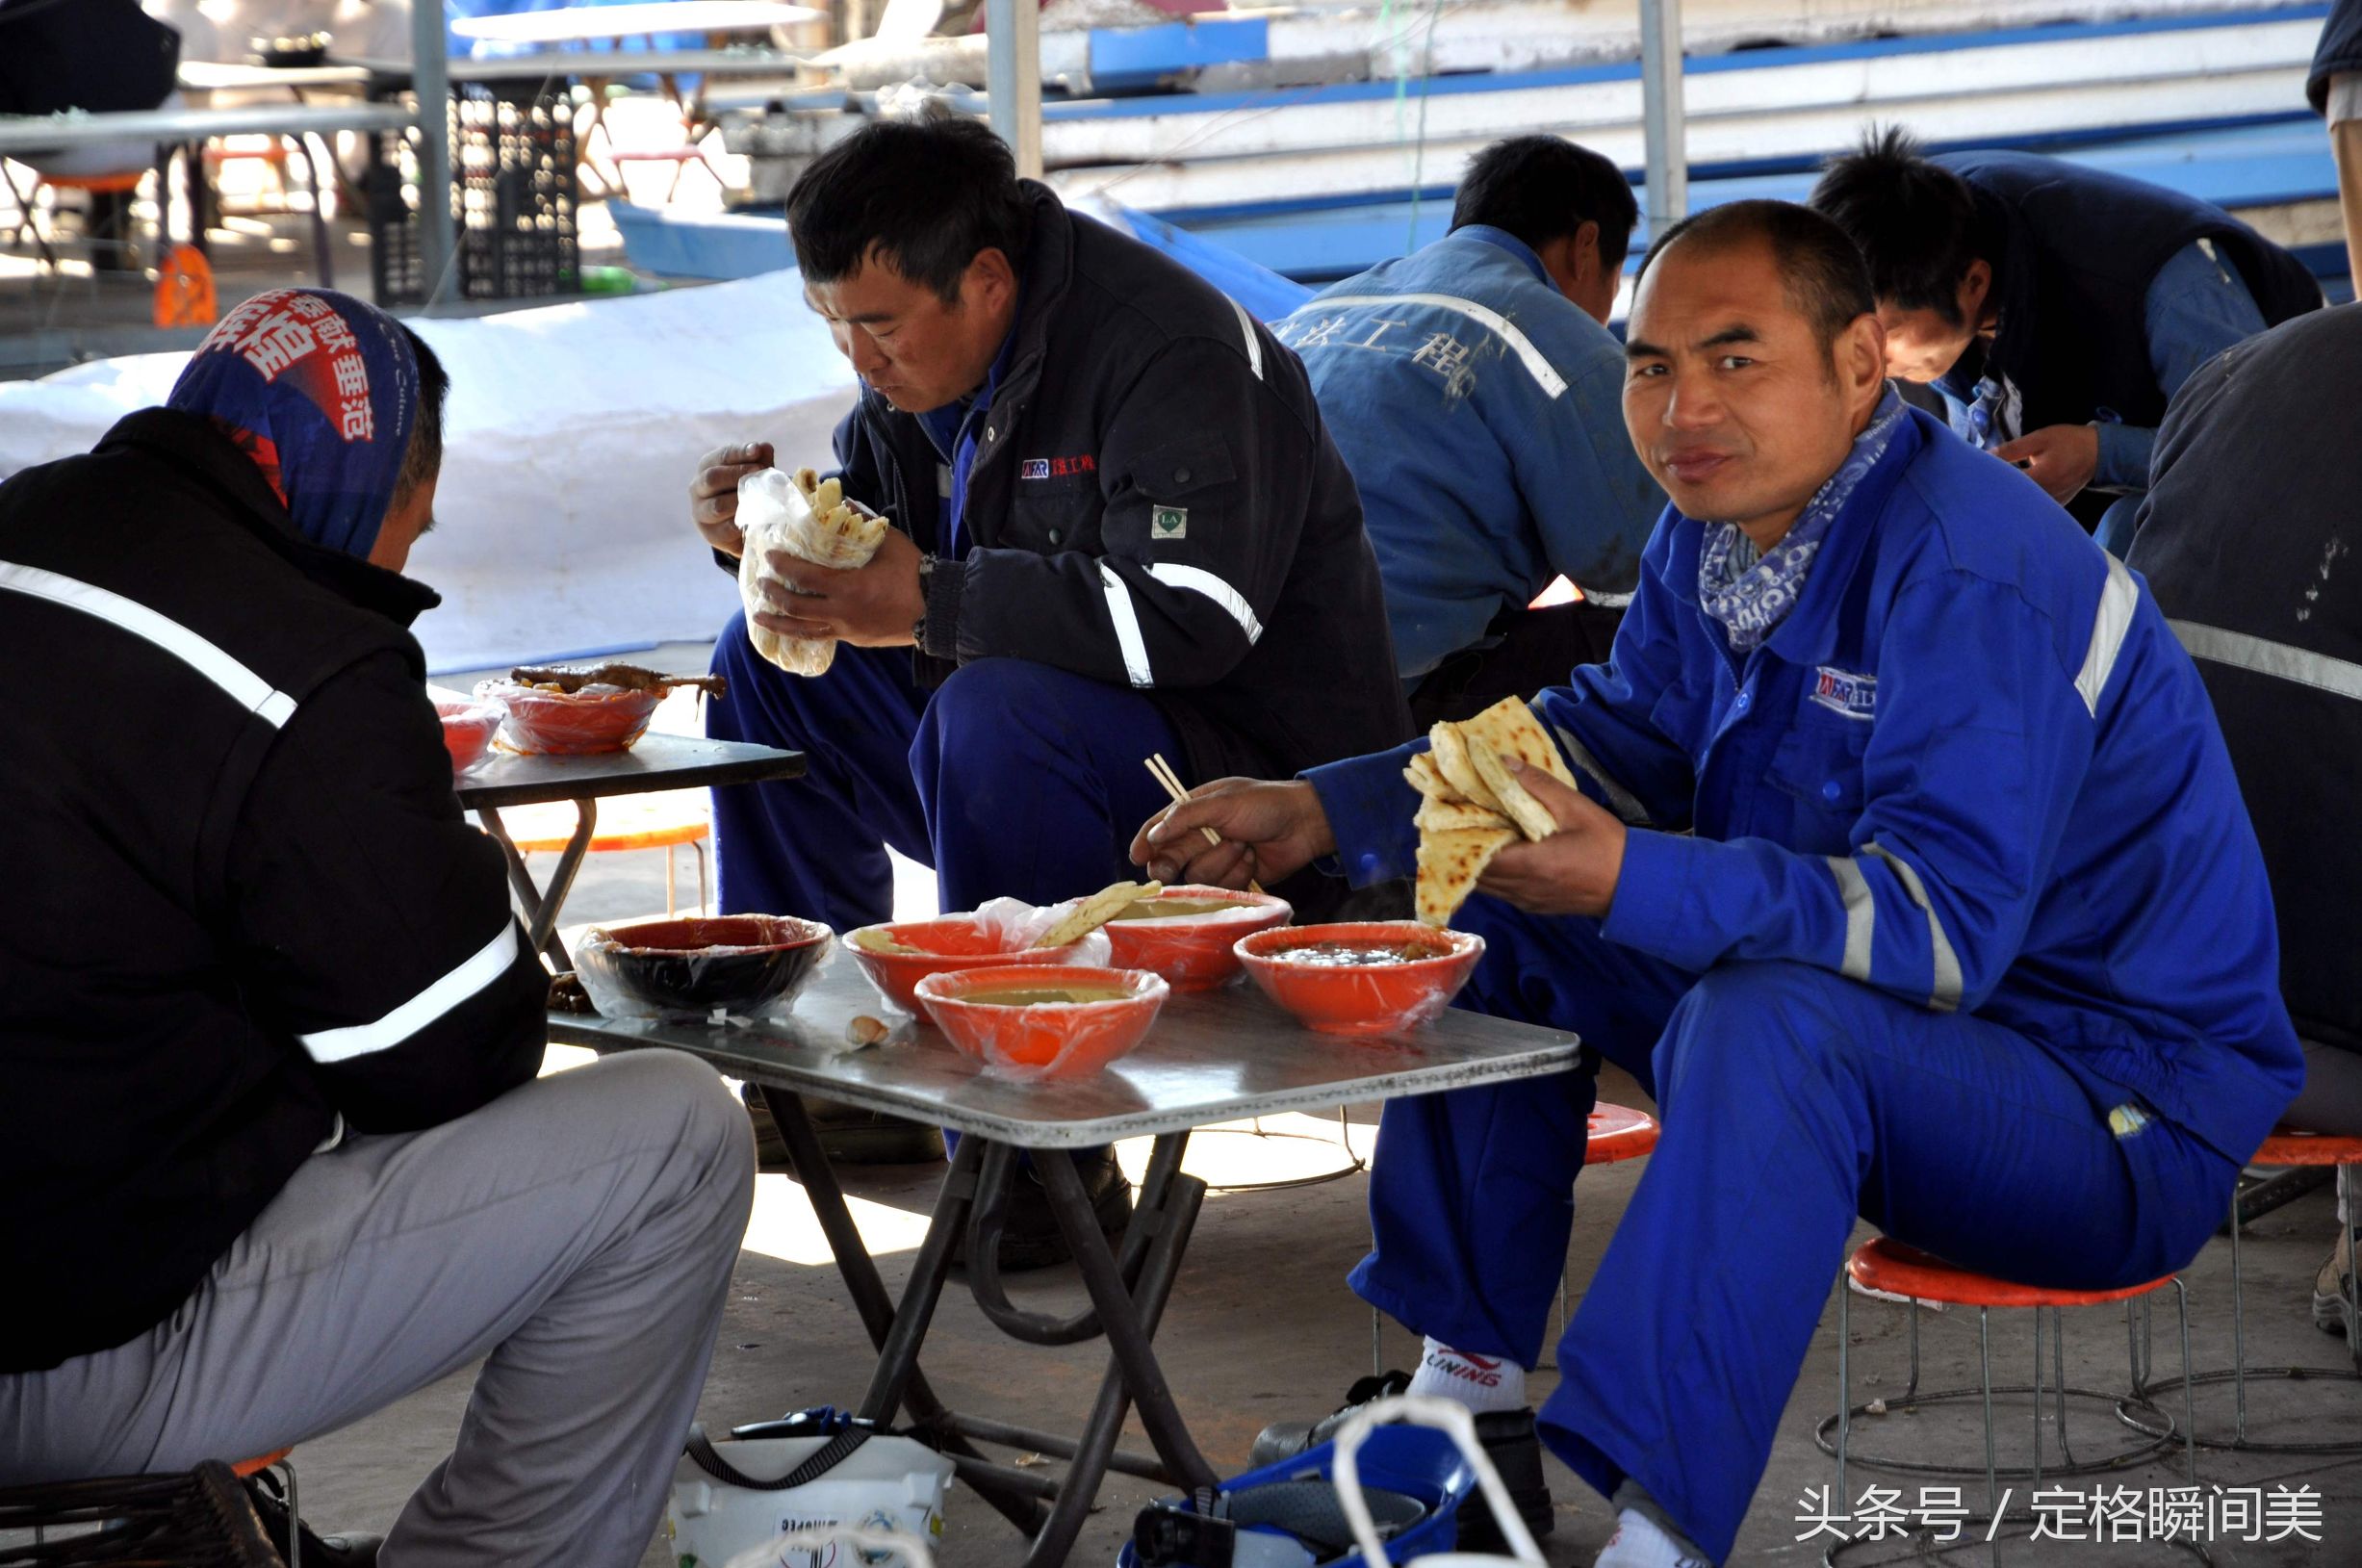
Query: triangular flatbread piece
x=1449 y=866
x=1510 y=728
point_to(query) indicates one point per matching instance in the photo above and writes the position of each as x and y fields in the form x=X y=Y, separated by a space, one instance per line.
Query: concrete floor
x=1261 y=1328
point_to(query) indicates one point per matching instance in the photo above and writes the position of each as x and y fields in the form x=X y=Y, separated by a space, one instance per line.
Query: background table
x=1213 y=1056
x=657 y=761
x=582 y=24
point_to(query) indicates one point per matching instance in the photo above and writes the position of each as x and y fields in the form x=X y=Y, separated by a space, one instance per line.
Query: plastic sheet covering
x=564 y=515
x=597 y=718
x=775 y=514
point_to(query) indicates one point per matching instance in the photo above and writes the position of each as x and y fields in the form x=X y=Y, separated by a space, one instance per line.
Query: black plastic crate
x=514 y=194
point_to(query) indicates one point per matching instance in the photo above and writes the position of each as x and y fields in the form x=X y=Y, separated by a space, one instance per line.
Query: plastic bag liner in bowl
x=1044 y=1021
x=570 y=723
x=897 y=955
x=467 y=731
x=746 y=968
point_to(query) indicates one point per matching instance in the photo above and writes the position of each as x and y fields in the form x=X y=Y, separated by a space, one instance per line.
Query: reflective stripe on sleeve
x=1254 y=343
x=2239 y=650
x=1119 y=609
x=2118 y=596
x=1197 y=579
x=473 y=975
x=256 y=695
x=1860 y=917
x=1945 y=993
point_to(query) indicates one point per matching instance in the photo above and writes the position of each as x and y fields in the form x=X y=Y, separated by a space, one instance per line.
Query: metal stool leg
x=1845 y=1381
x=2238 y=1328
x=2190 y=1406
x=2037 y=1400
x=668 y=882
x=1985 y=1380
x=2351 y=1224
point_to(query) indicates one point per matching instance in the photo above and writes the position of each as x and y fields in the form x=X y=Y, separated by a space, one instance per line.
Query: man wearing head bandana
x=272 y=1137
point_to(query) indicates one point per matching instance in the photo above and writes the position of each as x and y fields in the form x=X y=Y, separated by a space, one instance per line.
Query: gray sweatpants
x=578 y=1233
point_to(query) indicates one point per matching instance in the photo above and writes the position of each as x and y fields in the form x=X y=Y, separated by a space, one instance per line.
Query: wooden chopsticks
x=1162 y=771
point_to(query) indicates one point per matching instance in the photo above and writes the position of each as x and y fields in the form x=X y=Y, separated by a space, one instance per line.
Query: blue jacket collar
x=1509 y=242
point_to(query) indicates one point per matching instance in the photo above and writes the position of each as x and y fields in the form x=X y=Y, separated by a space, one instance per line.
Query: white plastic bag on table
x=1449 y=1416
x=774 y=514
x=1019 y=925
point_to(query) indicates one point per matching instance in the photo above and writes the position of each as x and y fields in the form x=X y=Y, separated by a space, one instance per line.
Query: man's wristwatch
x=918 y=627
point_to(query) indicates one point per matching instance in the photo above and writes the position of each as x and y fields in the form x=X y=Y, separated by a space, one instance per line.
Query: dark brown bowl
x=739 y=963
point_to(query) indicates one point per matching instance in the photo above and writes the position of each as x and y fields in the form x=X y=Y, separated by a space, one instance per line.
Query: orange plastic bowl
x=1349 y=998
x=570 y=723
x=951 y=943
x=1043 y=1040
x=1195 y=952
x=467 y=731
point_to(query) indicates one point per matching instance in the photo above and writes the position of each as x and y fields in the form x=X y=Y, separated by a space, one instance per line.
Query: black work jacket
x=1154 y=504
x=242 y=899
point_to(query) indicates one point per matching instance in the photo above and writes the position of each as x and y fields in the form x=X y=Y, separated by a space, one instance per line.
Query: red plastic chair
x=1884 y=1263
x=2288 y=1146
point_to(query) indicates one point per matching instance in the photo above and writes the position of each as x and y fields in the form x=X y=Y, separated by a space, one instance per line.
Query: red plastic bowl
x=1043 y=1040
x=467 y=731
x=739 y=963
x=1362 y=998
x=1195 y=952
x=570 y=723
x=951 y=943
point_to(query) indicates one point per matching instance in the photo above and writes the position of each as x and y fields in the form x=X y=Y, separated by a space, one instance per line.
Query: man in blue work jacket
x=1473 y=389
x=2056 y=309
x=1907 y=871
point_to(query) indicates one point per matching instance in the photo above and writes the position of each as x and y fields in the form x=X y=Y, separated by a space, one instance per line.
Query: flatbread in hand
x=1449 y=866
x=1510 y=728
x=1532 y=816
x=1421 y=775
x=1448 y=816
x=1447 y=746
x=1096 y=911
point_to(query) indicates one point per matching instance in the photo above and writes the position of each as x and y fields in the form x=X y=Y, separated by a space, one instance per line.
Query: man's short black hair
x=1544 y=188
x=1818 y=265
x=1915 y=221
x=927 y=195
x=424 y=460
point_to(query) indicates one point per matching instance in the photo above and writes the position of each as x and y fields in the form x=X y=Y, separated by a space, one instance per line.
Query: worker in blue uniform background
x=1907 y=871
x=1474 y=391
x=2056 y=308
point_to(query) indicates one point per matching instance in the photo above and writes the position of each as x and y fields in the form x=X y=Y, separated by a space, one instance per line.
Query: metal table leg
x=323 y=250
x=859 y=1273
x=1121 y=1316
x=541 y=907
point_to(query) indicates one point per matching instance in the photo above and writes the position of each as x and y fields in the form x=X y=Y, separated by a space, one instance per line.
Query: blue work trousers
x=1792 y=1100
x=1011 y=779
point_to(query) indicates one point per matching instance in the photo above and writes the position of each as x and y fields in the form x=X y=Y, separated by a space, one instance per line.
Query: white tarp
x=563 y=514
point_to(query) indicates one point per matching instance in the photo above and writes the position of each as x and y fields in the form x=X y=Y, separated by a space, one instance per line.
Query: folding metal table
x=1217 y=1056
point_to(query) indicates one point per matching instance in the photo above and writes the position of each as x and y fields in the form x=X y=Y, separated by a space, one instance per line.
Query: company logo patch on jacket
x=1842 y=691
x=1056 y=467
x=1168 y=522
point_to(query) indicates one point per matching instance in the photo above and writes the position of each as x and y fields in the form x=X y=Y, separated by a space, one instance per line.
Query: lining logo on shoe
x=1845 y=693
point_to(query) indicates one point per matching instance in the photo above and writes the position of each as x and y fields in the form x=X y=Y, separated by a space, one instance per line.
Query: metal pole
x=431 y=84
x=1663 y=139
x=1013 y=78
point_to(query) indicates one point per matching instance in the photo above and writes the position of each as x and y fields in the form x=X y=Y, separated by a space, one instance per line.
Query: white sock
x=1638 y=1543
x=1479 y=1382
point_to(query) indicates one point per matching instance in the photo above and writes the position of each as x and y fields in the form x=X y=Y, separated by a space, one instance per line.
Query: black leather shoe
x=1508 y=1439
x=345 y=1550
x=1030 y=1237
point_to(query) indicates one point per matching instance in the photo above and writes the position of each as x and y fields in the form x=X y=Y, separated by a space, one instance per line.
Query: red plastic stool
x=2290 y=1148
x=1884 y=1263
